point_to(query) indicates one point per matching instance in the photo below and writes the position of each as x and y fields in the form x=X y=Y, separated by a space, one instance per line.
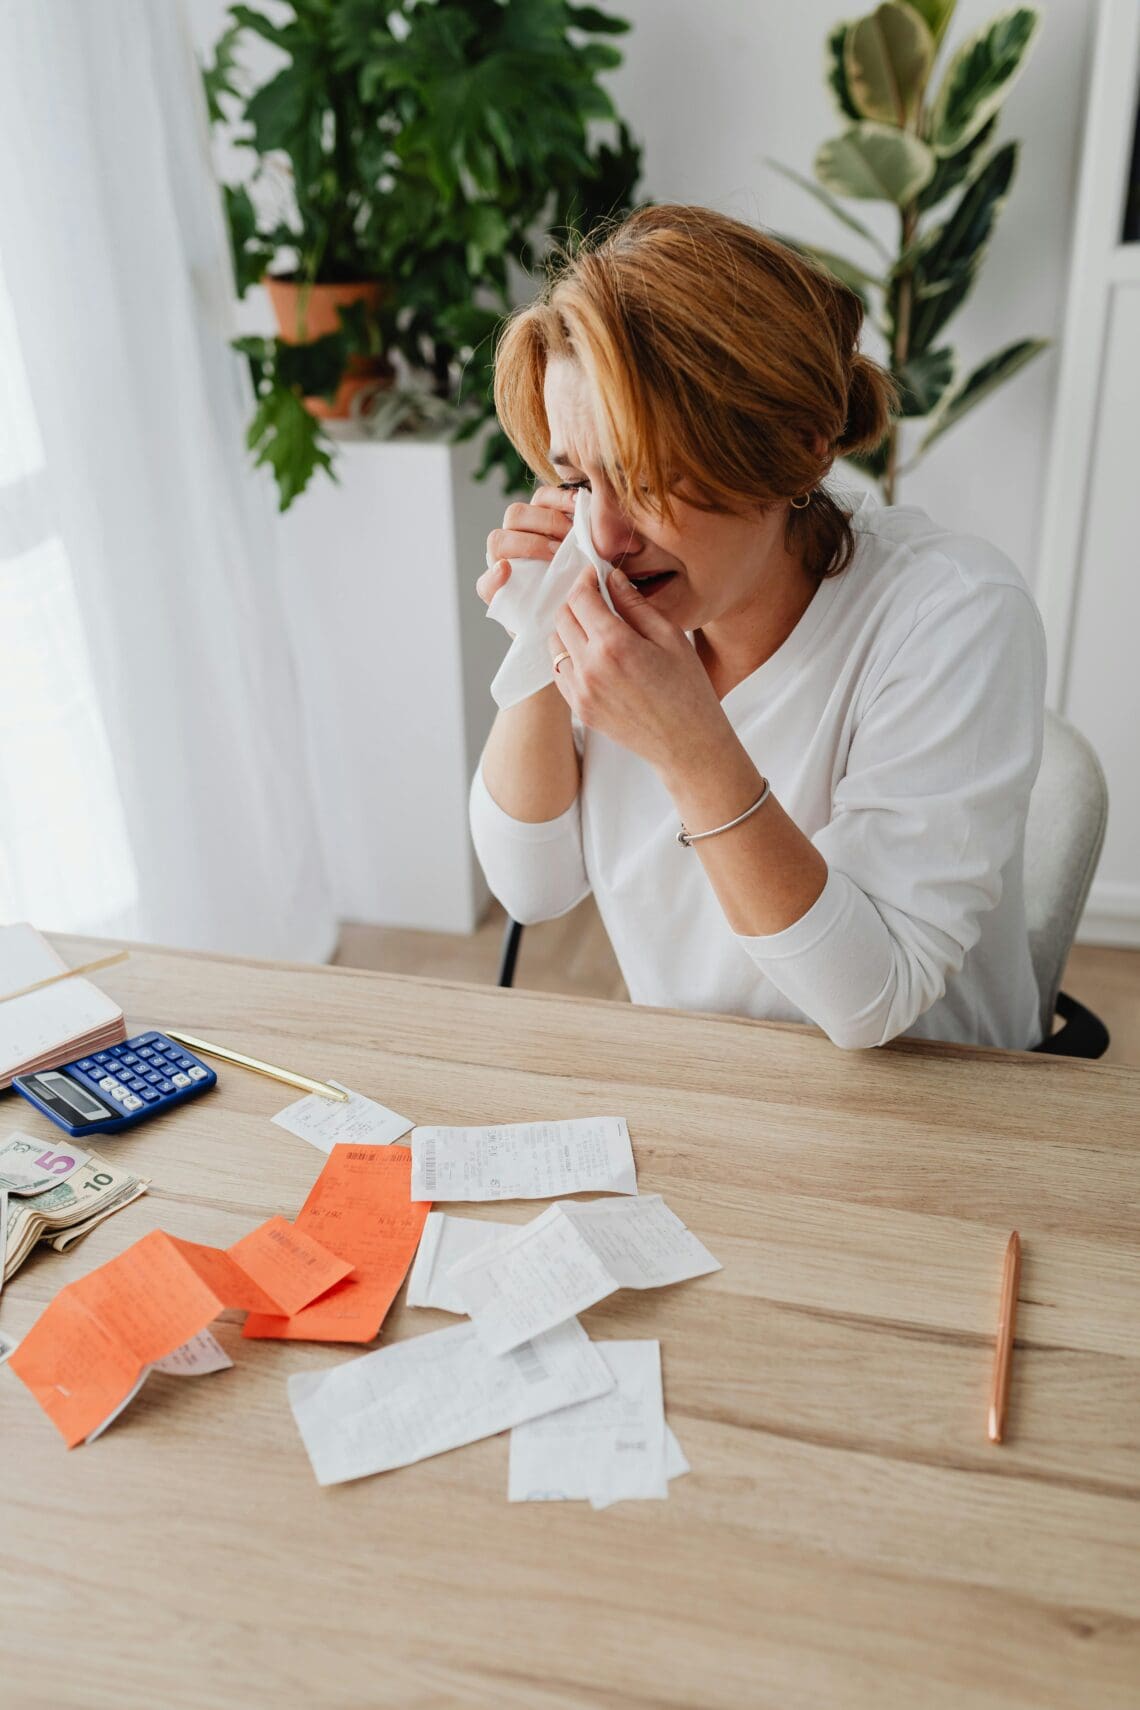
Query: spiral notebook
x=69 y=1019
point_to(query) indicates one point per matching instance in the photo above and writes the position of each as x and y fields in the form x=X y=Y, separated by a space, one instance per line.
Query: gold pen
x=67 y=974
x=1003 y=1352
x=321 y=1088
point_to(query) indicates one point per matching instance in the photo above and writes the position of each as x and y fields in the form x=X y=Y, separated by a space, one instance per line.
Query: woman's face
x=701 y=568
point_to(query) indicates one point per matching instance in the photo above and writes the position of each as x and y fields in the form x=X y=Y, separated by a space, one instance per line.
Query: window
x=65 y=860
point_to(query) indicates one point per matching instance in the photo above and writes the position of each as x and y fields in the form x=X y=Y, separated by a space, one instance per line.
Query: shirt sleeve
x=930 y=809
x=536 y=870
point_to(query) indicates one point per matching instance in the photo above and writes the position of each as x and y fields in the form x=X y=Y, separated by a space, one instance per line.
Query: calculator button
x=102 y=1056
x=151 y=1076
x=87 y=1063
x=133 y=1081
x=132 y=1103
x=186 y=1063
x=120 y=1095
x=181 y=1080
x=107 y=1083
x=149 y=1094
x=166 y=1086
x=130 y=1057
x=197 y=1073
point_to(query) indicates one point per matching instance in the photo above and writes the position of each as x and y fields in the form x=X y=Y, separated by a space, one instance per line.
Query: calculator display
x=61 y=1089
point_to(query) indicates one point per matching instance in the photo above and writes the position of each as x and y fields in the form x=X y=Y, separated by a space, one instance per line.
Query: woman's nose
x=614 y=535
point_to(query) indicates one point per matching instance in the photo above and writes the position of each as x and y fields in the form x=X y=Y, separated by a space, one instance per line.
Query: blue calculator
x=112 y=1090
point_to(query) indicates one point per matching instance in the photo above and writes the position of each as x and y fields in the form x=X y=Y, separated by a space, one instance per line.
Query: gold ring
x=557 y=662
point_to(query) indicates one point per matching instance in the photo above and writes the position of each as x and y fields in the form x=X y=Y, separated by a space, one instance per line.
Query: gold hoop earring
x=802 y=503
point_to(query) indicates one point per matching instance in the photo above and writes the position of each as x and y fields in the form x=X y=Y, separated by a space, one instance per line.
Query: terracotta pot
x=308 y=312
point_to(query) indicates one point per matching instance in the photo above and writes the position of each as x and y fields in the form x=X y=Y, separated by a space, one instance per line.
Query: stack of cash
x=63 y=1212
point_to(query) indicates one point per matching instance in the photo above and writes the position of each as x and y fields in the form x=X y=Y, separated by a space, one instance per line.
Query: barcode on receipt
x=429 y=1167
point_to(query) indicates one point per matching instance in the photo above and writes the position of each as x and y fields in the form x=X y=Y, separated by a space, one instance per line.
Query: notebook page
x=48 y=1022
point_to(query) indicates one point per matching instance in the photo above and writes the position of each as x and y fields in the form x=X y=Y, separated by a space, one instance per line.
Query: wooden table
x=847 y=1536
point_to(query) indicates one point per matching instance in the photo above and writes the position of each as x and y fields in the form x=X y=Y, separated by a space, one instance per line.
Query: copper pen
x=1003 y=1353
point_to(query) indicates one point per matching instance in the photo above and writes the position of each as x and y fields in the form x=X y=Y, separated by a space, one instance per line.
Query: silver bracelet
x=690 y=837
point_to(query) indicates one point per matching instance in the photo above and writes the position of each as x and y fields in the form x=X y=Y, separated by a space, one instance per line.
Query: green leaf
x=281 y=108
x=887 y=58
x=252 y=254
x=956 y=242
x=934 y=308
x=284 y=437
x=986 y=378
x=873 y=462
x=488 y=232
x=248 y=18
x=953 y=168
x=924 y=379
x=980 y=77
x=945 y=260
x=314 y=368
x=601 y=23
x=834 y=71
x=260 y=353
x=218 y=79
x=875 y=162
x=935 y=14
x=829 y=202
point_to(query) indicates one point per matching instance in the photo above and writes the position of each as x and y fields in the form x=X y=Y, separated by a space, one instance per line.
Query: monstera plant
x=404 y=156
x=925 y=145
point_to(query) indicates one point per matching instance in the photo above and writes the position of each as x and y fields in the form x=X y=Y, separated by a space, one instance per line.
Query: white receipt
x=30 y=1166
x=445 y=1241
x=203 y=1353
x=529 y=603
x=326 y=1123
x=570 y=1257
x=612 y=1448
x=676 y=1466
x=433 y=1393
x=524 y=1160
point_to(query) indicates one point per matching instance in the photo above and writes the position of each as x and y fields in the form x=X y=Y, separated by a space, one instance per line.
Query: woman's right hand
x=533 y=530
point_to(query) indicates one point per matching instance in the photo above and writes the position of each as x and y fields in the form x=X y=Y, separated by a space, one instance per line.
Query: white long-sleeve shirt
x=900 y=725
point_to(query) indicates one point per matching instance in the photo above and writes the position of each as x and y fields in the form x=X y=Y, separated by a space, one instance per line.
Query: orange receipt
x=289 y=1264
x=359 y=1207
x=88 y=1349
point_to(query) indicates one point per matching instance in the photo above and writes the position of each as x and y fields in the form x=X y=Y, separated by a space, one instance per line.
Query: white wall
x=712 y=89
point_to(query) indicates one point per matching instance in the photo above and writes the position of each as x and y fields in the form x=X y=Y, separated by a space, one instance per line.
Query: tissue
x=530 y=602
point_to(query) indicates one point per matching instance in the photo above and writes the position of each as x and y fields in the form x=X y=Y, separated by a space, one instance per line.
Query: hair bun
x=872 y=398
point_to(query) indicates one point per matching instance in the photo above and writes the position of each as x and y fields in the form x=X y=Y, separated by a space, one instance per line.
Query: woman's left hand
x=636 y=677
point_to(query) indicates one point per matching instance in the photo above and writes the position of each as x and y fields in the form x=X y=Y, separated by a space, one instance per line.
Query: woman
x=842 y=702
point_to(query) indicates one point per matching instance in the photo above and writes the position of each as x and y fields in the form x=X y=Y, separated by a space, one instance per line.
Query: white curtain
x=153 y=780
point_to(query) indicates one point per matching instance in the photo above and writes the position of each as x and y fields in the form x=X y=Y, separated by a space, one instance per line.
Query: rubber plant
x=930 y=153
x=433 y=148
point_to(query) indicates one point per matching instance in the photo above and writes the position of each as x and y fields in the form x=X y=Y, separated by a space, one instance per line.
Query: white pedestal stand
x=395 y=656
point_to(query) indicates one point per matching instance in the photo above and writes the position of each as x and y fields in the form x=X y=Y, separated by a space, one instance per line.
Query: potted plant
x=428 y=147
x=915 y=147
